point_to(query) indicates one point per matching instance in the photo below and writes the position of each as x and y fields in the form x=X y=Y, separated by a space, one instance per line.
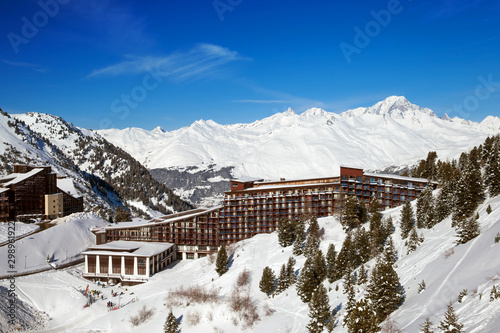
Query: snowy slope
x=314 y=143
x=473 y=266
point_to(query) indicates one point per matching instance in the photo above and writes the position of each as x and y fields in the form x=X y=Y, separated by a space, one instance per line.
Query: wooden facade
x=254 y=206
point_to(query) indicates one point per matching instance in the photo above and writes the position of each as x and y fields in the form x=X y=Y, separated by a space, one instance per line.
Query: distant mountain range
x=393 y=132
x=104 y=174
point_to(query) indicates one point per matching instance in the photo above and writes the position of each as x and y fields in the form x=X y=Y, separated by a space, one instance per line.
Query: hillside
x=106 y=175
x=315 y=143
x=473 y=266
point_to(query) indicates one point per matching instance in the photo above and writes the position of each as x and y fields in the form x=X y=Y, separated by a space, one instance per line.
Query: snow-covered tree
x=331 y=257
x=319 y=310
x=320 y=268
x=300 y=238
x=307 y=281
x=426 y=326
x=384 y=290
x=283 y=280
x=266 y=283
x=171 y=325
x=222 y=261
x=362 y=318
x=286 y=232
x=390 y=255
x=351 y=301
x=425 y=208
x=450 y=322
x=345 y=258
x=413 y=241
x=350 y=217
x=290 y=271
x=467 y=230
x=407 y=219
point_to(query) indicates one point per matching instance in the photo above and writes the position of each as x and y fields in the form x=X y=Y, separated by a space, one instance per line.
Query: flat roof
x=382 y=175
x=129 y=248
x=246 y=179
x=268 y=187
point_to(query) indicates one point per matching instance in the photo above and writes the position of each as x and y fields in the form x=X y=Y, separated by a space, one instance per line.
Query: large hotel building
x=254 y=206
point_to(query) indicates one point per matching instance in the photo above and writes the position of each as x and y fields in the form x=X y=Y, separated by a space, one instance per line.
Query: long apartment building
x=254 y=206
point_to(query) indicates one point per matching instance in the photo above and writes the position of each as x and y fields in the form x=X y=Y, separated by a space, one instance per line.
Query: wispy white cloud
x=197 y=62
x=33 y=67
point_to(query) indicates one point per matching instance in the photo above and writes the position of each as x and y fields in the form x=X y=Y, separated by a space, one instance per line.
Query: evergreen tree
x=377 y=232
x=351 y=301
x=444 y=201
x=362 y=212
x=319 y=310
x=307 y=281
x=300 y=238
x=425 y=208
x=121 y=215
x=492 y=165
x=319 y=266
x=363 y=275
x=171 y=325
x=390 y=255
x=450 y=322
x=314 y=228
x=311 y=247
x=266 y=283
x=413 y=241
x=345 y=258
x=290 y=270
x=467 y=230
x=286 y=232
x=362 y=318
x=350 y=218
x=407 y=219
x=362 y=246
x=222 y=261
x=331 y=257
x=469 y=191
x=283 y=280
x=384 y=290
x=488 y=209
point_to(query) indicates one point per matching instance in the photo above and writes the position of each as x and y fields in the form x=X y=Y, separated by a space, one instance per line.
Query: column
x=97 y=265
x=86 y=264
x=122 y=271
x=110 y=265
x=135 y=266
x=147 y=267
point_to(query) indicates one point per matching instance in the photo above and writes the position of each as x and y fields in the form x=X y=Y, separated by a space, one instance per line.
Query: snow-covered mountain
x=106 y=175
x=312 y=144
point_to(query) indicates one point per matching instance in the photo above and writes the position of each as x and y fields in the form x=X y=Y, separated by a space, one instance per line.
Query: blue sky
x=102 y=64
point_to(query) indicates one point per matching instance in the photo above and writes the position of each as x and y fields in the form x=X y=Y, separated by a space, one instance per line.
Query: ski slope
x=473 y=266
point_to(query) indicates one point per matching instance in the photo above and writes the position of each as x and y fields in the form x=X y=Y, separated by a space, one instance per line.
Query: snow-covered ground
x=62 y=243
x=21 y=229
x=473 y=266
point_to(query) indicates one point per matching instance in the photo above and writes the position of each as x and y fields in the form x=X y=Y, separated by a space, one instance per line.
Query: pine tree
x=266 y=283
x=425 y=208
x=384 y=290
x=390 y=255
x=450 y=322
x=171 y=325
x=363 y=275
x=350 y=218
x=345 y=258
x=300 y=238
x=314 y=228
x=286 y=232
x=426 y=326
x=362 y=246
x=319 y=266
x=407 y=219
x=377 y=232
x=362 y=318
x=467 y=230
x=222 y=261
x=283 y=280
x=319 y=310
x=311 y=247
x=488 y=209
x=492 y=165
x=351 y=301
x=307 y=281
x=291 y=271
x=331 y=257
x=121 y=215
x=413 y=241
x=362 y=212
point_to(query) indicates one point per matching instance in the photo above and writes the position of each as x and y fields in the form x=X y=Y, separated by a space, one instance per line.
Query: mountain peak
x=397 y=107
x=158 y=129
x=314 y=112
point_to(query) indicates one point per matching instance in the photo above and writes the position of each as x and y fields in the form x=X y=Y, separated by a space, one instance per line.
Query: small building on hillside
x=35 y=193
x=127 y=262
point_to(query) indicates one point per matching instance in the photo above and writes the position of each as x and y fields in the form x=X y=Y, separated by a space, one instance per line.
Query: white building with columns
x=127 y=262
